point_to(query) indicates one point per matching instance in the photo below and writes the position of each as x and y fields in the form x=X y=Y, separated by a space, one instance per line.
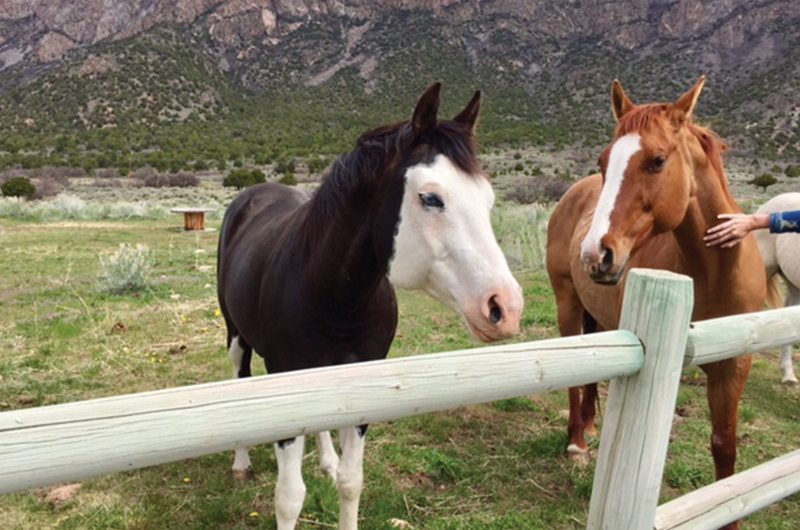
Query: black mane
x=386 y=150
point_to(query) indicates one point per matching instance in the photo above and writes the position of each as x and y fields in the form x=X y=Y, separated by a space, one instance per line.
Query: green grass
x=494 y=466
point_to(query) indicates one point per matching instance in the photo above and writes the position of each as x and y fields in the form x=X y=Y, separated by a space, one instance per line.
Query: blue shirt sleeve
x=780 y=222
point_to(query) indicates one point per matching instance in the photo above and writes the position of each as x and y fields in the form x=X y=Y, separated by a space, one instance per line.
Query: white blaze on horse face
x=621 y=152
x=451 y=252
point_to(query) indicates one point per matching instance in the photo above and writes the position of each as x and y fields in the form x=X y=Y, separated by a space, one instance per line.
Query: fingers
x=730 y=244
x=720 y=239
x=730 y=215
x=726 y=234
x=720 y=227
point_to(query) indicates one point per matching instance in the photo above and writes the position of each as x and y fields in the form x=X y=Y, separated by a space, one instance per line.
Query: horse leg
x=726 y=380
x=570 y=314
x=328 y=459
x=350 y=475
x=787 y=369
x=588 y=409
x=578 y=449
x=290 y=490
x=589 y=391
x=240 y=353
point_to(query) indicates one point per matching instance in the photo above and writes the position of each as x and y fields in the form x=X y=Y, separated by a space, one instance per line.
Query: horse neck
x=350 y=225
x=714 y=269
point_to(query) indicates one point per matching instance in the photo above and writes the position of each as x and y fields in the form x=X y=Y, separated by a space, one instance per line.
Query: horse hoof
x=242 y=475
x=791 y=381
x=577 y=455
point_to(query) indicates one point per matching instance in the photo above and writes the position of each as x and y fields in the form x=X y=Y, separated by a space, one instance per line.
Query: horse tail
x=774 y=298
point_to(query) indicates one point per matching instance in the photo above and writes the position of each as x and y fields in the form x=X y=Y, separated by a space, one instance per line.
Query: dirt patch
x=60 y=495
x=9 y=294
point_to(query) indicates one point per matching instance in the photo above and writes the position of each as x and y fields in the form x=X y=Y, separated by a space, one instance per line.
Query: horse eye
x=431 y=200
x=656 y=164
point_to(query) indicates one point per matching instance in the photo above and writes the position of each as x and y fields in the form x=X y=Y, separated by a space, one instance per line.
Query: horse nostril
x=608 y=260
x=495 y=313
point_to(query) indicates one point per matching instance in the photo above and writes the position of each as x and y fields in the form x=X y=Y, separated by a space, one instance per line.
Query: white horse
x=781 y=254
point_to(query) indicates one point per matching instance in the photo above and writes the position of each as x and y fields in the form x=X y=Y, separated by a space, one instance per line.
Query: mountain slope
x=169 y=82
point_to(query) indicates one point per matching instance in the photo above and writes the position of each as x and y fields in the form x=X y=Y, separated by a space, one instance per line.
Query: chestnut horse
x=305 y=282
x=781 y=254
x=661 y=187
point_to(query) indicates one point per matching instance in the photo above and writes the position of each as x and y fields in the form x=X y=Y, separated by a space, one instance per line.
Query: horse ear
x=620 y=103
x=683 y=108
x=469 y=116
x=424 y=117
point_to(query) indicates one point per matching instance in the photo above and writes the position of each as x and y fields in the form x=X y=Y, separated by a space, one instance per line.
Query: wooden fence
x=48 y=445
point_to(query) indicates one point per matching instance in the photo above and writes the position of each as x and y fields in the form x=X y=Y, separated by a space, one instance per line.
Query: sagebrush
x=127 y=269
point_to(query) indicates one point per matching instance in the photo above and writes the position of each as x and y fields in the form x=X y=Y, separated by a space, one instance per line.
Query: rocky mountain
x=320 y=70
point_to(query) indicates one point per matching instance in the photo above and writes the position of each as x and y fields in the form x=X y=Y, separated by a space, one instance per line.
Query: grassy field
x=494 y=466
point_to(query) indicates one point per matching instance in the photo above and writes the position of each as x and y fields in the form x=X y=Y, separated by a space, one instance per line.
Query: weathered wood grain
x=73 y=441
x=657 y=307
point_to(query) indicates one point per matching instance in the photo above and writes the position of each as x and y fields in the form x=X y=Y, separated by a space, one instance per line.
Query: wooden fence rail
x=72 y=441
x=729 y=499
x=47 y=445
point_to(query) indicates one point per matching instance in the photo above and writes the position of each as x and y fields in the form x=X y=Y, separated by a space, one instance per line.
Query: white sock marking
x=236 y=353
x=350 y=477
x=290 y=490
x=241 y=459
x=328 y=459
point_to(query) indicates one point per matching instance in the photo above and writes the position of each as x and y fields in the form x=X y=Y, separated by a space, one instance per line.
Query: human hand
x=732 y=231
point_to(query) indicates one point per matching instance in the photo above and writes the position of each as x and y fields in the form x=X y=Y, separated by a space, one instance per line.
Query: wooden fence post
x=657 y=307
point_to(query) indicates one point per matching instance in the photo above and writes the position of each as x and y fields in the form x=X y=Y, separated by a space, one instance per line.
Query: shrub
x=143 y=173
x=792 y=171
x=18 y=187
x=538 y=189
x=66 y=207
x=127 y=269
x=156 y=180
x=285 y=165
x=183 y=179
x=317 y=165
x=243 y=178
x=288 y=179
x=106 y=173
x=59 y=174
x=763 y=181
x=48 y=187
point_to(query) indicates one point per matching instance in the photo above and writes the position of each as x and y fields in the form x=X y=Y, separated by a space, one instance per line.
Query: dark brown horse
x=662 y=186
x=305 y=282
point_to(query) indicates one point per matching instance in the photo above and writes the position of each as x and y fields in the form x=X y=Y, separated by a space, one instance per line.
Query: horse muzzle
x=600 y=265
x=498 y=315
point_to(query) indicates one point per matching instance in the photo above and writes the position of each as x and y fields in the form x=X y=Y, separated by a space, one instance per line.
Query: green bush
x=243 y=178
x=18 y=187
x=763 y=181
x=792 y=171
x=285 y=165
x=317 y=165
x=288 y=179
